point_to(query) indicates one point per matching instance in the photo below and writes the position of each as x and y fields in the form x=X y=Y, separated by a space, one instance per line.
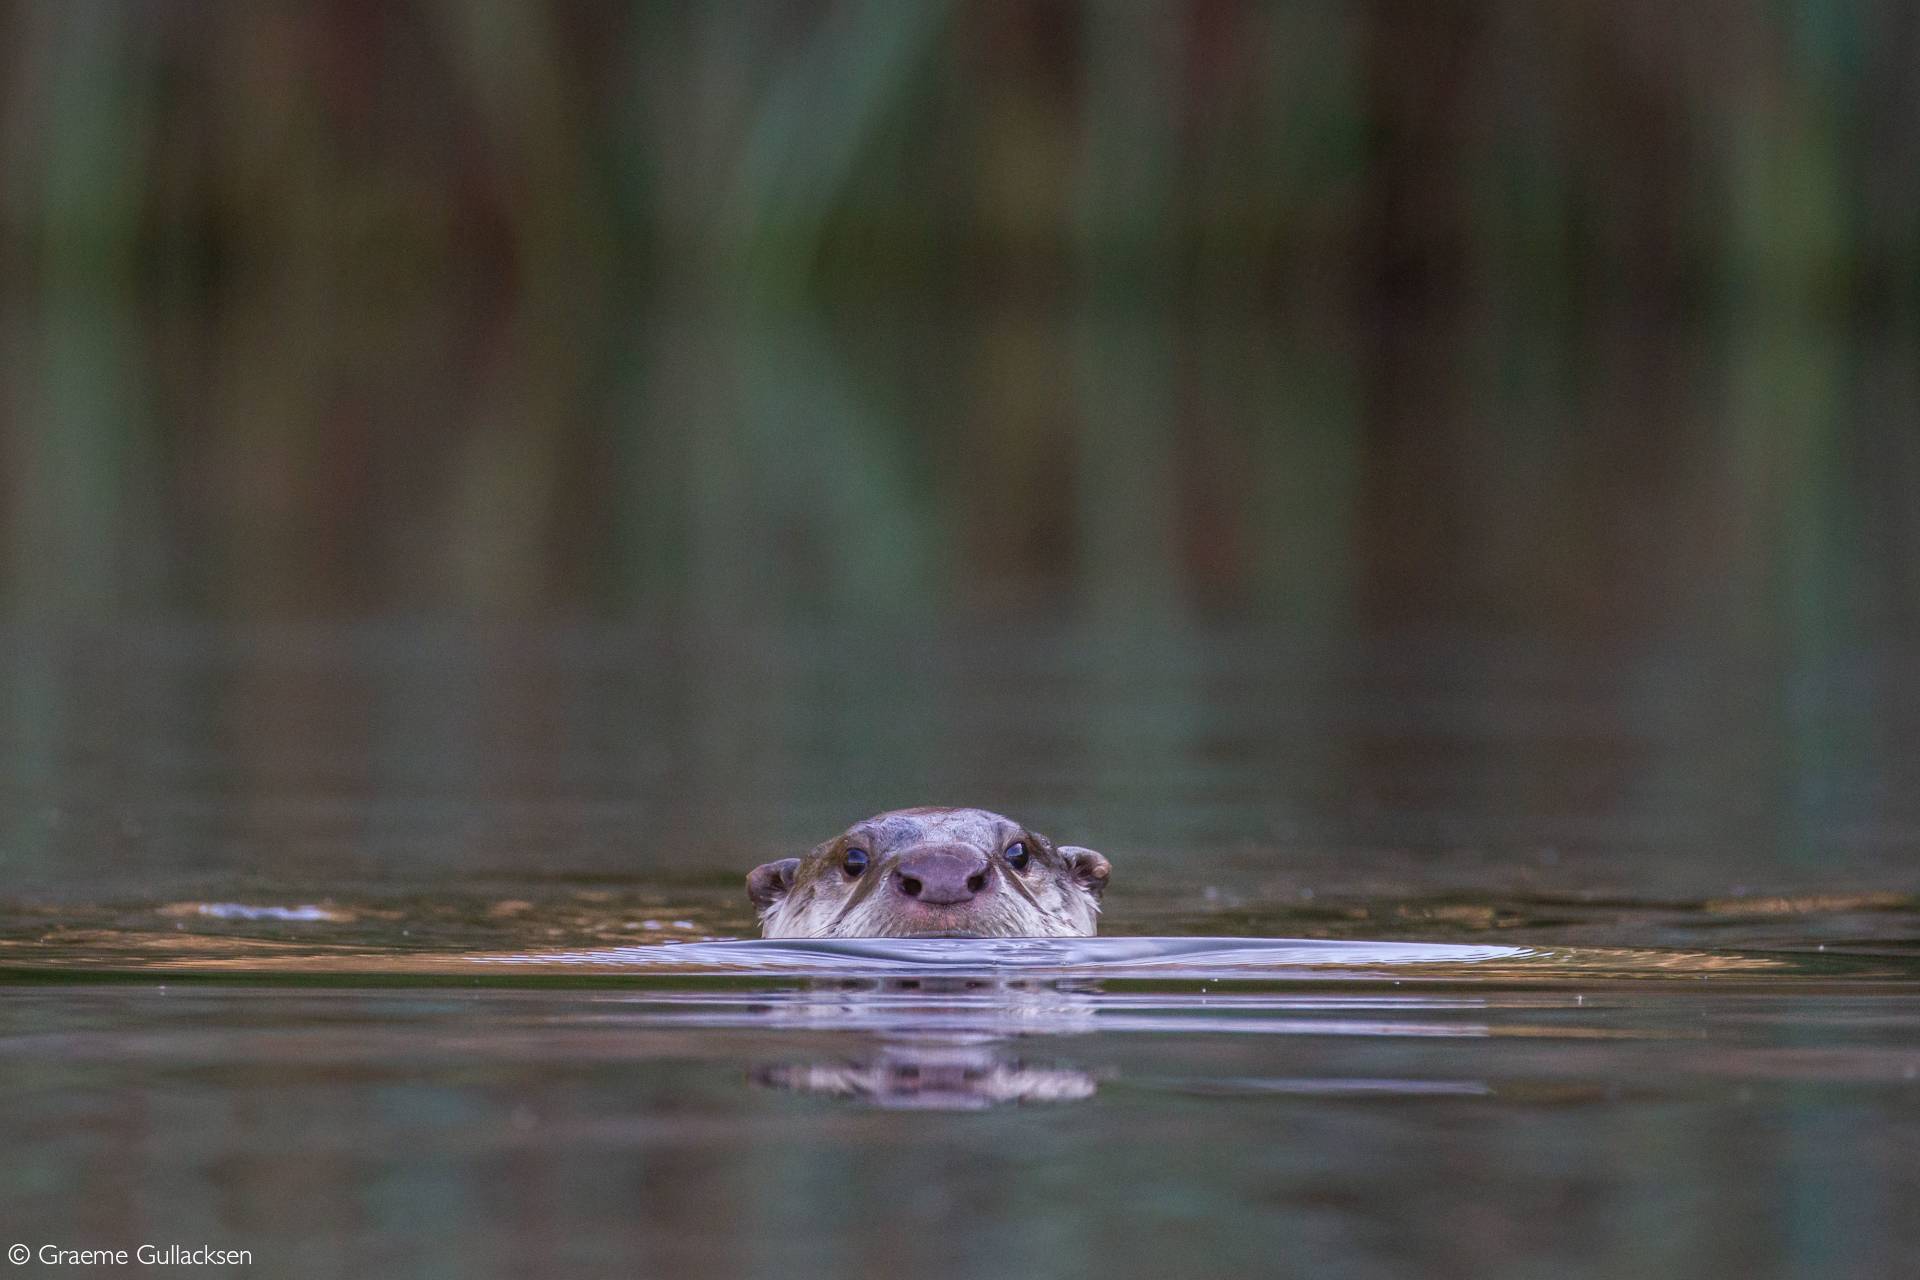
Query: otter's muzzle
x=942 y=877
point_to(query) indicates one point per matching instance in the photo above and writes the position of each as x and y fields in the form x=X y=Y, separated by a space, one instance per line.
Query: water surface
x=422 y=947
x=564 y=1090
x=1501 y=736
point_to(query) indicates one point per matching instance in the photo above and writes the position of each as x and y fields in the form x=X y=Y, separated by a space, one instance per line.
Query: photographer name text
x=146 y=1255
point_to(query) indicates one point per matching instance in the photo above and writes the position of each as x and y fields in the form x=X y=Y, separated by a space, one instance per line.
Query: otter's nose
x=942 y=877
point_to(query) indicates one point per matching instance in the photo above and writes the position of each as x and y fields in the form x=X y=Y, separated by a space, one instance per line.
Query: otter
x=932 y=873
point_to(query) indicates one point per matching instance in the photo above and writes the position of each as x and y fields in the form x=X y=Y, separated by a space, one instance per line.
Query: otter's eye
x=1017 y=856
x=855 y=862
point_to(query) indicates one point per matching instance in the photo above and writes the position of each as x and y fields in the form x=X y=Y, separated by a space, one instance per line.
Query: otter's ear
x=768 y=883
x=1088 y=867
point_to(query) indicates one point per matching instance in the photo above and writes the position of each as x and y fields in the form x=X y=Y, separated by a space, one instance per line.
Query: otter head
x=932 y=873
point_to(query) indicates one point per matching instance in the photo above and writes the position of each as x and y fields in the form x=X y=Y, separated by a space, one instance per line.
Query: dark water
x=1503 y=746
x=1112 y=1106
x=406 y=947
x=411 y=948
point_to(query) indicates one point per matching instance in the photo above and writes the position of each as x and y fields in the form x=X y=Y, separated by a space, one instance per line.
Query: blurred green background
x=1280 y=429
x=1437 y=469
x=347 y=307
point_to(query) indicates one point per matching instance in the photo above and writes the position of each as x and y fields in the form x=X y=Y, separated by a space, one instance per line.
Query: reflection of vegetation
x=396 y=249
x=851 y=316
x=1573 y=151
x=1334 y=316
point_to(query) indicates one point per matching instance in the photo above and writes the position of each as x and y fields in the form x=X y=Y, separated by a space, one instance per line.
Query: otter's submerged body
x=932 y=873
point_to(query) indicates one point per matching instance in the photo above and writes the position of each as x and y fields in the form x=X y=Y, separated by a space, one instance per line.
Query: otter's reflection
x=944 y=1044
x=939 y=1077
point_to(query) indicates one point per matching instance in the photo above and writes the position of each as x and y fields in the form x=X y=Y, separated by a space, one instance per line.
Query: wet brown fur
x=1057 y=895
